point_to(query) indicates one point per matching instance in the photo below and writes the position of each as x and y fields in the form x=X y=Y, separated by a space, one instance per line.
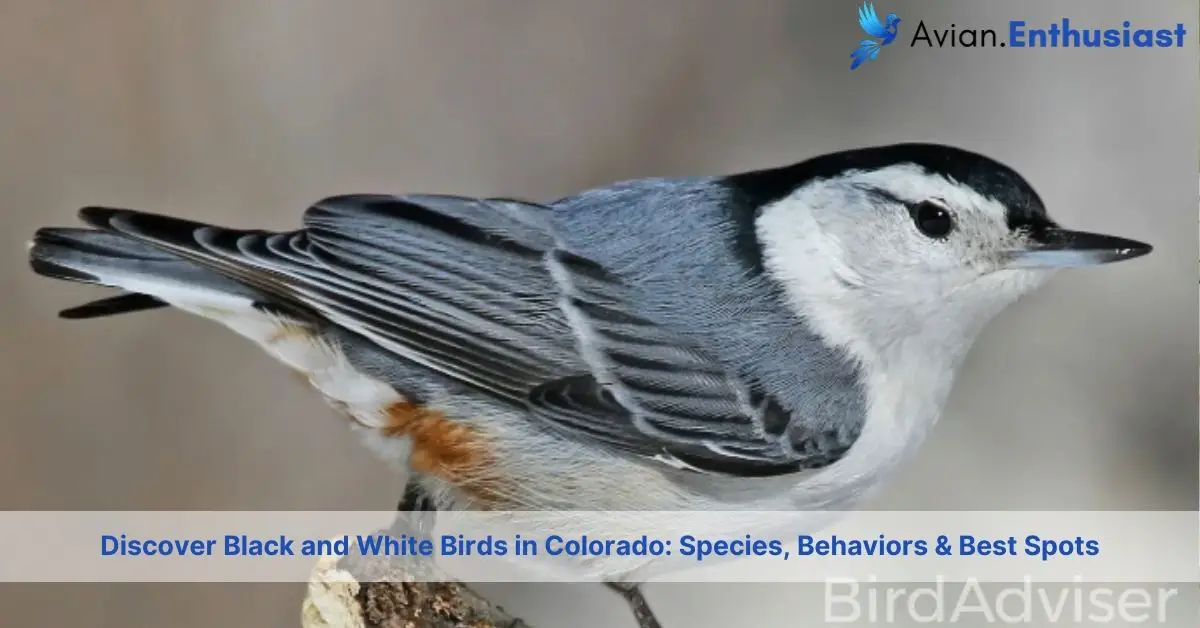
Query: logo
x=868 y=19
x=1061 y=33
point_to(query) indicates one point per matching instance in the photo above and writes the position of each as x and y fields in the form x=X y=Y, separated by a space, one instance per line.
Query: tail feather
x=157 y=260
x=868 y=50
x=186 y=241
x=120 y=304
x=151 y=276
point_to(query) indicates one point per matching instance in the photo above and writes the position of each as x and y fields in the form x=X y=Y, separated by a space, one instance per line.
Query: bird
x=868 y=20
x=779 y=339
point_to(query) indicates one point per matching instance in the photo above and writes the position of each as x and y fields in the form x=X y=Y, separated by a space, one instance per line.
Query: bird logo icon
x=868 y=19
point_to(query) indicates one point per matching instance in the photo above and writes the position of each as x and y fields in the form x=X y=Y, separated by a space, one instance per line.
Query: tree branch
x=357 y=591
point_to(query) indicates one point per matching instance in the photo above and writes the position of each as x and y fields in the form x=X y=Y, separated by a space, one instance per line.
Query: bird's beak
x=1061 y=248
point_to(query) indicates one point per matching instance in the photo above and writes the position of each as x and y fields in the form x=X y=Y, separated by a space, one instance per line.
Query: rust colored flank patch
x=442 y=447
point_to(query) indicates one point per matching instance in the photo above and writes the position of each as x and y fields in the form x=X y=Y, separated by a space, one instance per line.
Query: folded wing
x=477 y=291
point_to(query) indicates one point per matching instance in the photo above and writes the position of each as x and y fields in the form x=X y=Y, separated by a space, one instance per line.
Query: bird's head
x=907 y=240
x=892 y=20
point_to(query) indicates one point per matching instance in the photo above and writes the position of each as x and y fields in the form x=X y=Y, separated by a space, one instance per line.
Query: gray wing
x=477 y=291
x=652 y=393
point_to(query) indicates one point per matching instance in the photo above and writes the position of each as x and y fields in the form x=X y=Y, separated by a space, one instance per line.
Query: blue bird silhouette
x=868 y=19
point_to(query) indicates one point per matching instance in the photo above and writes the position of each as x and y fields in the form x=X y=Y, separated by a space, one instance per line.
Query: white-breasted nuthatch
x=772 y=340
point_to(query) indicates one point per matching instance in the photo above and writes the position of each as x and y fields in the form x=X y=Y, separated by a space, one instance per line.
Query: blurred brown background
x=245 y=111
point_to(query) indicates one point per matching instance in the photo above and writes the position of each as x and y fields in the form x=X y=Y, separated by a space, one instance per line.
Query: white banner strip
x=866 y=546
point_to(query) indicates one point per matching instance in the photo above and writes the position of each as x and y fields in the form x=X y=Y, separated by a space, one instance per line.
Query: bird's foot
x=632 y=594
x=416 y=512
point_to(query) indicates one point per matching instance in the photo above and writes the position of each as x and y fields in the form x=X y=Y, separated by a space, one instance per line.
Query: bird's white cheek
x=808 y=261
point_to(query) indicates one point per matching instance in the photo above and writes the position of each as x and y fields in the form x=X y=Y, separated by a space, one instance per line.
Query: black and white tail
x=150 y=275
x=159 y=260
x=456 y=286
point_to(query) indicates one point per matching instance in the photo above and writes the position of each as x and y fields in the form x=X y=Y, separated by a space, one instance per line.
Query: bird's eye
x=932 y=219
